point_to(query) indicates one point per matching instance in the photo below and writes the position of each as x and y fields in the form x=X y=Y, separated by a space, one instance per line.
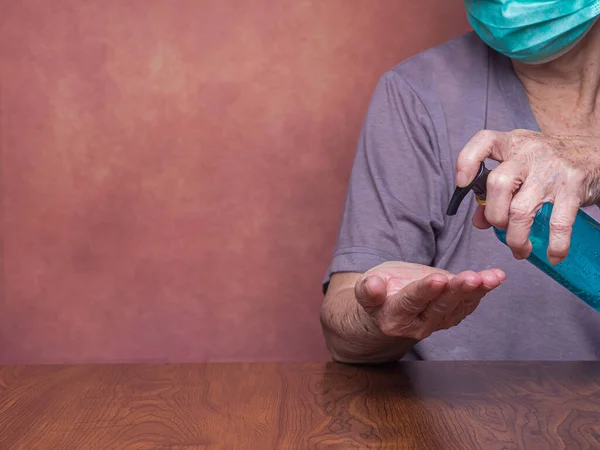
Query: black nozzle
x=478 y=186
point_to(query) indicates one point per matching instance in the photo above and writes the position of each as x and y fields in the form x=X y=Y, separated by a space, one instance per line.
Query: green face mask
x=532 y=31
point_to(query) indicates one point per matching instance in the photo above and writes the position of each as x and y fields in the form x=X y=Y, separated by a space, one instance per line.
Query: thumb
x=479 y=220
x=485 y=144
x=370 y=291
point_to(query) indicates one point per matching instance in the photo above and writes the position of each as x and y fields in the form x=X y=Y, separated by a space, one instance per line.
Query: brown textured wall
x=173 y=171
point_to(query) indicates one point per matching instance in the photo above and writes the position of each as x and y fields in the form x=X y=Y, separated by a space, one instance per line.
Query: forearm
x=353 y=337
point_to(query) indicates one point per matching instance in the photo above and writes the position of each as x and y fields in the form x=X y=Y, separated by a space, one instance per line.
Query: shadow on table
x=377 y=405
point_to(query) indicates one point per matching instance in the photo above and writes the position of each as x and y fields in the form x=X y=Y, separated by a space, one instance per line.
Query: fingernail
x=519 y=255
x=462 y=179
x=554 y=260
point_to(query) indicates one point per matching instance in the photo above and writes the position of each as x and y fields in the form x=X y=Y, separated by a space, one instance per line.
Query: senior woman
x=406 y=280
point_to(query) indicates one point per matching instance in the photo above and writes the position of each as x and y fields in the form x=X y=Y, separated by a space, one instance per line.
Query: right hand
x=413 y=301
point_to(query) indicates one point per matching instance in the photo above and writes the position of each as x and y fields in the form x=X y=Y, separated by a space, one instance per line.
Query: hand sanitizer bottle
x=579 y=272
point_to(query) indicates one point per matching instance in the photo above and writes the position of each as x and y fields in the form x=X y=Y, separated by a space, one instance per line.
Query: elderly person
x=407 y=281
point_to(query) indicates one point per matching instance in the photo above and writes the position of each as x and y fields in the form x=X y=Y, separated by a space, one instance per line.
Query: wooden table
x=420 y=405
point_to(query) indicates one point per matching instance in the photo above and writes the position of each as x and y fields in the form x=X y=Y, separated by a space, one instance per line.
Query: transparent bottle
x=579 y=272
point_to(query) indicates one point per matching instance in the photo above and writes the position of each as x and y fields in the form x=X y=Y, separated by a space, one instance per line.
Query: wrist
x=353 y=336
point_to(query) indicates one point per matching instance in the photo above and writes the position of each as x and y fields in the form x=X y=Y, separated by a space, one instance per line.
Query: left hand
x=534 y=169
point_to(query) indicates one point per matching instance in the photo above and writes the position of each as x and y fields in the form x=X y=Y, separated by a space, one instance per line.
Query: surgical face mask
x=532 y=31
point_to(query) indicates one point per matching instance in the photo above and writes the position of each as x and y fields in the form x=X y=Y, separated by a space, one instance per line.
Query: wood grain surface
x=421 y=405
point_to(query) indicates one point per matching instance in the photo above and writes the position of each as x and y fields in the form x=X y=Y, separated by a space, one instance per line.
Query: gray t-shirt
x=421 y=115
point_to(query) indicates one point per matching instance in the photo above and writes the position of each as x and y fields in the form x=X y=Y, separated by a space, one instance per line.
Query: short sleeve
x=393 y=208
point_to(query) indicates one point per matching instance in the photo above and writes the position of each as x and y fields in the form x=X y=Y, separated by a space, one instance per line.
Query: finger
x=415 y=297
x=479 y=220
x=491 y=279
x=485 y=144
x=562 y=219
x=500 y=274
x=464 y=282
x=370 y=291
x=464 y=310
x=523 y=208
x=460 y=286
x=472 y=302
x=502 y=183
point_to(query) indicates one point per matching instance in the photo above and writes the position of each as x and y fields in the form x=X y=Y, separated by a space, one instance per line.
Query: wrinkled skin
x=534 y=169
x=413 y=301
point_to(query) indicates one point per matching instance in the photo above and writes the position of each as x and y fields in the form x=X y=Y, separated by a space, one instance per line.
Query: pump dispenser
x=579 y=272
